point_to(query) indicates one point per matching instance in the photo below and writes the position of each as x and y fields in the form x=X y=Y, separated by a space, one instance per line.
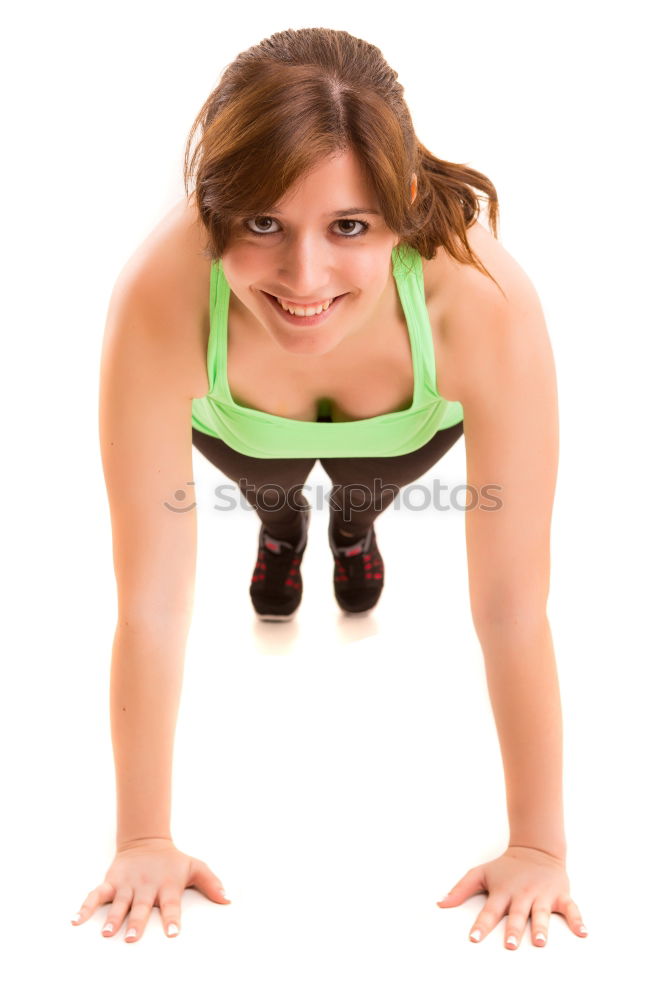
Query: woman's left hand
x=524 y=882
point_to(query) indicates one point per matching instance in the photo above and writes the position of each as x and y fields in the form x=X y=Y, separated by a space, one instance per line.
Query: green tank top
x=265 y=435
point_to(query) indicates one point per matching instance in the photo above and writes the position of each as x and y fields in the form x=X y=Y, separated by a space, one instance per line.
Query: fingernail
x=77 y=916
x=583 y=929
x=130 y=934
x=476 y=935
x=172 y=929
x=512 y=940
x=107 y=927
x=540 y=936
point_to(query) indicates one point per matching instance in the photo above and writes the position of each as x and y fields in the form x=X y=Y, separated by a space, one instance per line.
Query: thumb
x=469 y=885
x=202 y=878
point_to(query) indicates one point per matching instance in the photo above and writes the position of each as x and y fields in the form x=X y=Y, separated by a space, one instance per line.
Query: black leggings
x=361 y=487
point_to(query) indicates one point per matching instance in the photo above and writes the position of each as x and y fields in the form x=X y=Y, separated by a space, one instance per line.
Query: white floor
x=338 y=775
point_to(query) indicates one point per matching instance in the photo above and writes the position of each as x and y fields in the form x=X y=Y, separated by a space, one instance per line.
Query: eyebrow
x=337 y=215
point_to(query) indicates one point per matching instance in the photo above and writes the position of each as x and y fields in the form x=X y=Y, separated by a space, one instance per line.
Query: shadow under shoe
x=358 y=576
x=277 y=586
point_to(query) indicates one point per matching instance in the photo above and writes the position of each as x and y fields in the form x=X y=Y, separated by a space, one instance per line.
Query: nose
x=305 y=270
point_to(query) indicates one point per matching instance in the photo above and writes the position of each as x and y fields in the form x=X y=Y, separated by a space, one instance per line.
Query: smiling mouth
x=302 y=305
x=318 y=307
x=310 y=319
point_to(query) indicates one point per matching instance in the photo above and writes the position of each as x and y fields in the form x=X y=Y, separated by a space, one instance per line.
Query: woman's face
x=326 y=238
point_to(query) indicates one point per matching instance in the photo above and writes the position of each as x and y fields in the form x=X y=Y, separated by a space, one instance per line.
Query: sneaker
x=358 y=577
x=277 y=587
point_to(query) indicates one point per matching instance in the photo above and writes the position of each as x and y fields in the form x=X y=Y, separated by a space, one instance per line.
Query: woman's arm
x=512 y=444
x=145 y=433
x=509 y=399
x=146 y=447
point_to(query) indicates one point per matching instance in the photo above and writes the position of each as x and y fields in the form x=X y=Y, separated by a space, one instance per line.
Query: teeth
x=309 y=311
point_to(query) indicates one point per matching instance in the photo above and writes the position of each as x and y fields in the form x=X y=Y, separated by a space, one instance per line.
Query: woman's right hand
x=146 y=873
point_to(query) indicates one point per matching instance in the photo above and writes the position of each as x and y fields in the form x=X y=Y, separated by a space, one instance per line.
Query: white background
x=338 y=777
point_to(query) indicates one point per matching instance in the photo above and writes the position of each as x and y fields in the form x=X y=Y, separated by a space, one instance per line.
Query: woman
x=312 y=190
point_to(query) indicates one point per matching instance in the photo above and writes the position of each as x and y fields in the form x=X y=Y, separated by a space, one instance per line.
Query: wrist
x=555 y=849
x=122 y=843
x=542 y=829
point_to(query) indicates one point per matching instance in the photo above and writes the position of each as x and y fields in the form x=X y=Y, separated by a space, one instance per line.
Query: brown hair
x=299 y=96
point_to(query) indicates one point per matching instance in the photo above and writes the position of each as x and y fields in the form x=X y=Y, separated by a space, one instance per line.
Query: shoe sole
x=277 y=618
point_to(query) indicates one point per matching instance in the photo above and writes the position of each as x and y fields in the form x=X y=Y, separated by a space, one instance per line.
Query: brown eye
x=353 y=222
x=262 y=220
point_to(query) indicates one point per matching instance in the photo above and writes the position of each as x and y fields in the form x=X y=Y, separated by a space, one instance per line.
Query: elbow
x=501 y=620
x=155 y=617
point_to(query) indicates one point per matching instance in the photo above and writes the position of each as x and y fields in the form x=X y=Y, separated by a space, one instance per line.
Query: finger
x=469 y=885
x=540 y=920
x=169 y=904
x=489 y=917
x=103 y=894
x=118 y=911
x=516 y=923
x=568 y=908
x=142 y=904
x=202 y=878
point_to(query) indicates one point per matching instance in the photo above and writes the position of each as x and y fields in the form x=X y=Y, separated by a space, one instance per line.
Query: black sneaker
x=358 y=577
x=277 y=587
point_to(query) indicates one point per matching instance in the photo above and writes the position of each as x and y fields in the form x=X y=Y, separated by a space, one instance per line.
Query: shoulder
x=165 y=282
x=475 y=324
x=168 y=267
